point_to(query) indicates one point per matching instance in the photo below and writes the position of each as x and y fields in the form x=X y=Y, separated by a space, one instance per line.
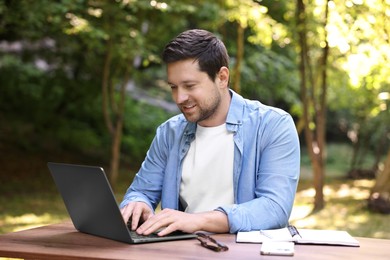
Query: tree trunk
x=115 y=153
x=113 y=113
x=117 y=135
x=313 y=101
x=379 y=200
x=239 y=58
x=106 y=86
x=321 y=121
x=319 y=181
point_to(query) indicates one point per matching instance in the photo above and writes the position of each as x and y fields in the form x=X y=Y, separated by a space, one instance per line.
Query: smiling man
x=225 y=164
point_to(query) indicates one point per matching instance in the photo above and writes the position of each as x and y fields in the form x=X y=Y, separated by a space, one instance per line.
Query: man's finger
x=127 y=211
x=135 y=217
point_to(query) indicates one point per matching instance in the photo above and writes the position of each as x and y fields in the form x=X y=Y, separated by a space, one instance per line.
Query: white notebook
x=299 y=236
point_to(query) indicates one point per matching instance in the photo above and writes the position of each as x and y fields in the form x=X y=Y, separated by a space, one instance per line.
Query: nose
x=181 y=95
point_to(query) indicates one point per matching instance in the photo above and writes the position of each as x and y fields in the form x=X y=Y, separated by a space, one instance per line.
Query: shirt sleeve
x=147 y=184
x=278 y=156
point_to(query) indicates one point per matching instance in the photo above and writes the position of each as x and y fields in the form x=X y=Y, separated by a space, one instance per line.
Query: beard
x=203 y=111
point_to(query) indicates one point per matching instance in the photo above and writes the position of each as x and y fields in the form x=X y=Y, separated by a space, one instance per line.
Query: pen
x=293 y=231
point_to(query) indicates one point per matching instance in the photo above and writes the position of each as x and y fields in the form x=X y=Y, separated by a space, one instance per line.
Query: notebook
x=299 y=236
x=92 y=207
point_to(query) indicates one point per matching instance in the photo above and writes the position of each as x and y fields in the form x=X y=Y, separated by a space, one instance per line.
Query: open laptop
x=91 y=204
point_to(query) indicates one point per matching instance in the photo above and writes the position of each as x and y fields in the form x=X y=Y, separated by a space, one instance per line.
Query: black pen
x=293 y=231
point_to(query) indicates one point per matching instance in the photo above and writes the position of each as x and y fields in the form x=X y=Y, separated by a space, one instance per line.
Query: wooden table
x=62 y=241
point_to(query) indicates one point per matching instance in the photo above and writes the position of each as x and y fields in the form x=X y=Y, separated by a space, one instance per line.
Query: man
x=226 y=164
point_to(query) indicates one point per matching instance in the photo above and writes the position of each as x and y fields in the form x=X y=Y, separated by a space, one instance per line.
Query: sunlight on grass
x=26 y=221
x=346 y=191
x=345 y=209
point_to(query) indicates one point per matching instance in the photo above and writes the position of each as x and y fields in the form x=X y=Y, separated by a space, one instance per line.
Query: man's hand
x=170 y=220
x=139 y=212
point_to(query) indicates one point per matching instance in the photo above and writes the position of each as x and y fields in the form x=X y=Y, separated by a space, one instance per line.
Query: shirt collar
x=236 y=109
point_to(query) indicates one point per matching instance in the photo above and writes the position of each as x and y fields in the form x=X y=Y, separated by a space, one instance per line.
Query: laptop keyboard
x=135 y=235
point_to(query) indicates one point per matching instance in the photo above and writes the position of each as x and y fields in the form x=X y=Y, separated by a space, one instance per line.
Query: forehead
x=184 y=71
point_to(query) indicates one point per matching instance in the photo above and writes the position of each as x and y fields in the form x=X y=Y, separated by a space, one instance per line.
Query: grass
x=345 y=209
x=31 y=200
x=345 y=199
x=27 y=204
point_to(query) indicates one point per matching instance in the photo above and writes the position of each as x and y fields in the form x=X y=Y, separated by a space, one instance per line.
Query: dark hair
x=200 y=45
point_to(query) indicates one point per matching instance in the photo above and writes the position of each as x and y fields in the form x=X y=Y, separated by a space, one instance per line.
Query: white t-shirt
x=207 y=175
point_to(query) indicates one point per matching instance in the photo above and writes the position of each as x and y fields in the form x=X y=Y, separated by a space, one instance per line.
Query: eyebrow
x=184 y=82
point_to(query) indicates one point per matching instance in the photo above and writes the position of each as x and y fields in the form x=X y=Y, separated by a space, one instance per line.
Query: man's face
x=196 y=95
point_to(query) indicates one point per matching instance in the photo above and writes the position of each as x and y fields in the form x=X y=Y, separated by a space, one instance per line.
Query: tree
x=379 y=199
x=360 y=32
x=91 y=50
x=132 y=40
x=53 y=98
x=313 y=95
x=254 y=26
x=128 y=46
x=357 y=73
x=117 y=48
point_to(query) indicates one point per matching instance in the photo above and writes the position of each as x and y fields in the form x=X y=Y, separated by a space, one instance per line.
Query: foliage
x=359 y=37
x=69 y=40
x=141 y=120
x=42 y=110
x=52 y=56
x=270 y=78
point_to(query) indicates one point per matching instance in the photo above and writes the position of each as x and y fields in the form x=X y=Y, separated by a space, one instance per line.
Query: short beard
x=210 y=111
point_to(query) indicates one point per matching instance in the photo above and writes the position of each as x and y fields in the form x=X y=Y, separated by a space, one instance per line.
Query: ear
x=223 y=77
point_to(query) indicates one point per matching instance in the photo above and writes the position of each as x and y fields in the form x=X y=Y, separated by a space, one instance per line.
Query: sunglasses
x=210 y=243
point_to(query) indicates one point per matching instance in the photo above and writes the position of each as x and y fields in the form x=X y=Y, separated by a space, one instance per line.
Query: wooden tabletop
x=62 y=241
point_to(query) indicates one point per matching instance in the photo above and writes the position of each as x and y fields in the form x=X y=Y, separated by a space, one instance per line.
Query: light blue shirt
x=265 y=169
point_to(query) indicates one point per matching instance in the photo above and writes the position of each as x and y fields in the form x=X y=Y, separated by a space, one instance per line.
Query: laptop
x=92 y=206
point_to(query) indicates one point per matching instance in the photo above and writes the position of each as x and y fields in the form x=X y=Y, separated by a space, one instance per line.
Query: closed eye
x=188 y=86
x=172 y=86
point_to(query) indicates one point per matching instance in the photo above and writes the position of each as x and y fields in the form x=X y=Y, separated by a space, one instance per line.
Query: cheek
x=174 y=95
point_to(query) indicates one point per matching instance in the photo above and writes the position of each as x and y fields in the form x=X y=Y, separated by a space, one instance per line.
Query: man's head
x=200 y=45
x=198 y=74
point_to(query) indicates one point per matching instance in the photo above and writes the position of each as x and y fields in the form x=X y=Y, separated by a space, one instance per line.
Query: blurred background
x=81 y=81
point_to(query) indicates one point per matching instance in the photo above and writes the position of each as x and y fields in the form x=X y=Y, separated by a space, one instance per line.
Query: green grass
x=345 y=209
x=37 y=203
x=345 y=199
x=31 y=200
